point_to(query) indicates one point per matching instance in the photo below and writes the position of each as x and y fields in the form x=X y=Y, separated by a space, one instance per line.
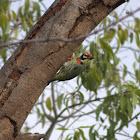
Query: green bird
x=73 y=68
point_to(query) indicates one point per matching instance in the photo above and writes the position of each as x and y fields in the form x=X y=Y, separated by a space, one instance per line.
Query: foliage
x=13 y=24
x=107 y=91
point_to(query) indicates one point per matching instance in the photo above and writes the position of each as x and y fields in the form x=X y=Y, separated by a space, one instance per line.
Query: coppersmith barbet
x=73 y=68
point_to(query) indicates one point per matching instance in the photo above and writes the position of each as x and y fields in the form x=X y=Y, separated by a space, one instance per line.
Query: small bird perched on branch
x=73 y=68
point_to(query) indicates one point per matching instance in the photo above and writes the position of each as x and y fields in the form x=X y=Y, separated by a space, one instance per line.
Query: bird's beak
x=90 y=57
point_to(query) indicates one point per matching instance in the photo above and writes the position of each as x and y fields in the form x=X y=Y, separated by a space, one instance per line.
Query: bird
x=73 y=67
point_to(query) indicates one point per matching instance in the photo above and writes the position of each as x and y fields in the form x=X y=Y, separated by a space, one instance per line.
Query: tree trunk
x=27 y=72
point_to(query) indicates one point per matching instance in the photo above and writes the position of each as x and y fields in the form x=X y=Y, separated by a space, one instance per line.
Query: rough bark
x=29 y=136
x=27 y=72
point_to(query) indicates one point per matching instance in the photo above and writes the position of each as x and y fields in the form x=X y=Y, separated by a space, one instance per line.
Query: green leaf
x=65 y=98
x=27 y=4
x=138 y=126
x=129 y=108
x=3 y=54
x=76 y=135
x=105 y=108
x=94 y=73
x=104 y=128
x=14 y=16
x=112 y=115
x=3 y=21
x=123 y=103
x=137 y=74
x=124 y=71
x=115 y=15
x=90 y=84
x=7 y=27
x=84 y=127
x=108 y=72
x=124 y=118
x=134 y=99
x=62 y=128
x=135 y=137
x=102 y=120
x=82 y=134
x=24 y=24
x=16 y=32
x=118 y=46
x=36 y=7
x=105 y=45
x=30 y=22
x=81 y=97
x=131 y=37
x=48 y=104
x=137 y=40
x=67 y=138
x=109 y=35
x=117 y=115
x=110 y=132
x=67 y=105
x=72 y=100
x=137 y=56
x=137 y=92
x=116 y=60
x=126 y=33
x=96 y=133
x=121 y=36
x=91 y=134
x=137 y=25
x=92 y=45
x=98 y=110
x=59 y=101
x=38 y=113
x=20 y=12
x=43 y=120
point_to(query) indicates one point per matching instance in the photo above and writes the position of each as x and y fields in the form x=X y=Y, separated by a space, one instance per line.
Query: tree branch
x=48 y=133
x=30 y=136
x=127 y=47
x=89 y=101
x=72 y=39
x=128 y=122
x=44 y=112
x=53 y=99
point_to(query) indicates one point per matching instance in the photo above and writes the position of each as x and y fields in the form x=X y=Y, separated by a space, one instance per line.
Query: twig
x=76 y=110
x=44 y=112
x=48 y=133
x=103 y=122
x=64 y=126
x=84 y=114
x=72 y=39
x=9 y=1
x=125 y=47
x=35 y=124
x=130 y=73
x=53 y=99
x=84 y=103
x=125 y=135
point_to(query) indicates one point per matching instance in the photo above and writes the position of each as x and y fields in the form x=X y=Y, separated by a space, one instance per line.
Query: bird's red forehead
x=88 y=54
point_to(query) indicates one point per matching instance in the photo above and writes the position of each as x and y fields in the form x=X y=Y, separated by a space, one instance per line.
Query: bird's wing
x=64 y=69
